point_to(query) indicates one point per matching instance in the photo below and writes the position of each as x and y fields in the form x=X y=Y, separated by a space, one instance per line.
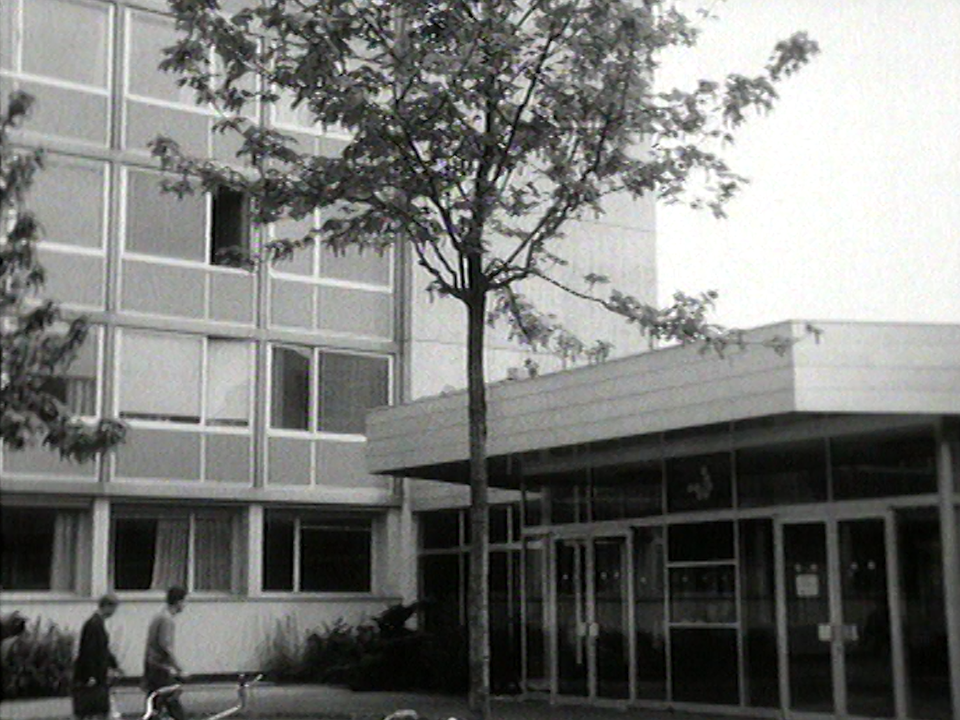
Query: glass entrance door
x=591 y=595
x=837 y=619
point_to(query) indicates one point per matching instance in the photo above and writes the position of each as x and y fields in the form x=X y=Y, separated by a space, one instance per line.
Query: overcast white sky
x=853 y=211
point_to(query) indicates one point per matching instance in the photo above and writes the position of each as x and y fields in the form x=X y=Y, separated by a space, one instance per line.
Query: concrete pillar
x=254 y=554
x=100 y=547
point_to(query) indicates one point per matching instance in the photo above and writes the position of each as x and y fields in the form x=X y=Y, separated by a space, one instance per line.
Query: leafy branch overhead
x=37 y=344
x=475 y=128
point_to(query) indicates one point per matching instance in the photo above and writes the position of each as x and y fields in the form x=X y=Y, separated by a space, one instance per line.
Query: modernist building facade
x=764 y=534
x=245 y=393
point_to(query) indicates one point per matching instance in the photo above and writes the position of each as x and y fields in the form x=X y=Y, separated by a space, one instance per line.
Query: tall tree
x=478 y=130
x=37 y=343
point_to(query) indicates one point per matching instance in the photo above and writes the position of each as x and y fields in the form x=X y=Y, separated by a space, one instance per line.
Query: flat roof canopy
x=854 y=368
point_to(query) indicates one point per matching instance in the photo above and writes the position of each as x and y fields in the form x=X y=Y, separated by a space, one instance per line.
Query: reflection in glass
x=535 y=636
x=703 y=594
x=882 y=466
x=924 y=615
x=759 y=614
x=610 y=609
x=808 y=617
x=866 y=618
x=704 y=665
x=699 y=483
x=782 y=475
x=648 y=613
x=571 y=624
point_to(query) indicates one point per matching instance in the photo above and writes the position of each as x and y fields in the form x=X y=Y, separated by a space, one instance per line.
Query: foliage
x=37 y=344
x=379 y=654
x=38 y=662
x=478 y=129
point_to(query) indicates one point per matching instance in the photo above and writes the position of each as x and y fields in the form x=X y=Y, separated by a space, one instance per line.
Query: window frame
x=169 y=512
x=314 y=519
x=315 y=379
x=81 y=553
x=205 y=253
x=17 y=17
x=316 y=274
x=203 y=422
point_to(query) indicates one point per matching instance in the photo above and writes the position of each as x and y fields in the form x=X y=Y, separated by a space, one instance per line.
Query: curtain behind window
x=170 y=554
x=213 y=553
x=64 y=551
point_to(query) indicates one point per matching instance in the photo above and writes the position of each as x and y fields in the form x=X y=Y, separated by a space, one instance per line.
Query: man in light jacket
x=160 y=665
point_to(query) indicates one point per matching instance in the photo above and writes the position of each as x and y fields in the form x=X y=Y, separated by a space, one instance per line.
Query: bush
x=380 y=654
x=38 y=662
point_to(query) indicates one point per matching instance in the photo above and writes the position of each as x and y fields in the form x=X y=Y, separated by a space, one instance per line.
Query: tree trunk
x=478 y=588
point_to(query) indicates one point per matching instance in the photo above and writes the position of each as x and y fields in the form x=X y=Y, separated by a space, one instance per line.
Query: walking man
x=95 y=664
x=161 y=667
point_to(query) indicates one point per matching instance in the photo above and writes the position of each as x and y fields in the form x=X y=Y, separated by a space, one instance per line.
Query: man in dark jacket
x=95 y=664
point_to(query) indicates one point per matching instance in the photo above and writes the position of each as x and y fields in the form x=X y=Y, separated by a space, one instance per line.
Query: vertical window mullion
x=315 y=409
x=204 y=378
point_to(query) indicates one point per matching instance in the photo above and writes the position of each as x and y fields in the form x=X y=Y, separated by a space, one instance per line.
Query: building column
x=399 y=559
x=100 y=547
x=948 y=484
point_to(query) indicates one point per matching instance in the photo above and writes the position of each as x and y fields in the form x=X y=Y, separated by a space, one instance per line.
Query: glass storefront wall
x=727 y=603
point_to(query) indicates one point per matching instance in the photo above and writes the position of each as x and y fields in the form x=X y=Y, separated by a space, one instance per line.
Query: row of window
x=202 y=550
x=811 y=471
x=71 y=195
x=172 y=378
x=84 y=32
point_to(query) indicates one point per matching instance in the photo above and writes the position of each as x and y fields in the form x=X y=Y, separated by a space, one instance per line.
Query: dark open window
x=229 y=228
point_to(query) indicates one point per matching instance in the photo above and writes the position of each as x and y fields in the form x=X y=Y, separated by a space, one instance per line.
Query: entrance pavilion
x=759 y=533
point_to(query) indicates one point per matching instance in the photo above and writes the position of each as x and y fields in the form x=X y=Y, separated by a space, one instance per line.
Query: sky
x=853 y=209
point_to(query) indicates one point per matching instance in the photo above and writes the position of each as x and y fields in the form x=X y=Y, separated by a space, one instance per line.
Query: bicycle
x=155 y=707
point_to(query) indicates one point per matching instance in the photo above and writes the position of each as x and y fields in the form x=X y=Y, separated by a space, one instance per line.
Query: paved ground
x=301 y=701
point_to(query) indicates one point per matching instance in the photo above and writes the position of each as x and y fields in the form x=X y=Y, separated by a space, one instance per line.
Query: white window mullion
x=191 y=549
x=296 y=554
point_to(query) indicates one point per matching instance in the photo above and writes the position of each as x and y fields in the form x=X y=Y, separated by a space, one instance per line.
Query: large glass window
x=883 y=465
x=153 y=550
x=213 y=228
x=40 y=548
x=67 y=40
x=165 y=377
x=149 y=35
x=68 y=198
x=76 y=387
x=317 y=553
x=162 y=224
x=347 y=386
x=783 y=474
x=701 y=482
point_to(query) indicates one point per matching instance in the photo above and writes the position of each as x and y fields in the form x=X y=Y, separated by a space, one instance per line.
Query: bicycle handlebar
x=242 y=684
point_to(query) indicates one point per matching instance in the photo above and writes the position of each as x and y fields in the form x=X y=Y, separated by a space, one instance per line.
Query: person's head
x=176 y=598
x=107 y=605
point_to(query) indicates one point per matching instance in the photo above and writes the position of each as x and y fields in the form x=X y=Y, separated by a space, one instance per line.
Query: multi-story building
x=245 y=393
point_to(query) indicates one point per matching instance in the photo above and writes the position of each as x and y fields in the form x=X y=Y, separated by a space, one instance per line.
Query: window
x=149 y=34
x=76 y=387
x=69 y=198
x=316 y=553
x=211 y=228
x=184 y=379
x=40 y=548
x=229 y=228
x=153 y=550
x=80 y=33
x=347 y=387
